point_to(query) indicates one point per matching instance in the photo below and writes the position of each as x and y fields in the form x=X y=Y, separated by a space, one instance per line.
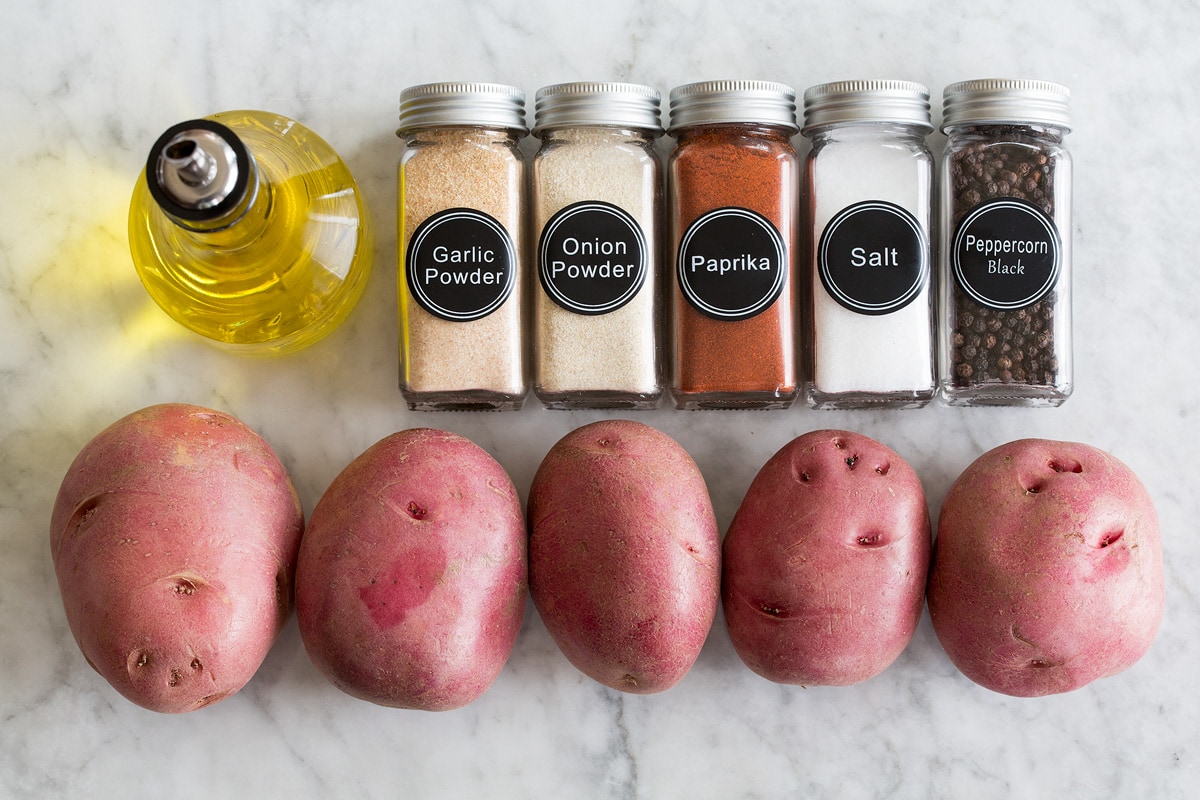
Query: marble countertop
x=86 y=88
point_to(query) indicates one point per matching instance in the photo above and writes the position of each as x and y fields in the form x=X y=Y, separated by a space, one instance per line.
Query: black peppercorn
x=1006 y=309
x=1000 y=178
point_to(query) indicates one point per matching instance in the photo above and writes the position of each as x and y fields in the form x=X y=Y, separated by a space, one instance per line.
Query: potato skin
x=825 y=561
x=412 y=578
x=624 y=554
x=1047 y=571
x=174 y=538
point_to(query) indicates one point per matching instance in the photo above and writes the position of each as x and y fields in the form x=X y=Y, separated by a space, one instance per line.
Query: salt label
x=873 y=258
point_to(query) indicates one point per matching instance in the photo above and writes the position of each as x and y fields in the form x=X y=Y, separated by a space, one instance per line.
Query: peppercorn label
x=592 y=258
x=732 y=264
x=460 y=265
x=1007 y=254
x=873 y=258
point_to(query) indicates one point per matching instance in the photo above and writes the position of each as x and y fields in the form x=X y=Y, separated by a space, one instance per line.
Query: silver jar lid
x=1006 y=101
x=902 y=102
x=487 y=105
x=626 y=105
x=716 y=102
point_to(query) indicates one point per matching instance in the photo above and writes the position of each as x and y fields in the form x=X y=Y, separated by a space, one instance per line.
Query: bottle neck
x=249 y=204
x=243 y=224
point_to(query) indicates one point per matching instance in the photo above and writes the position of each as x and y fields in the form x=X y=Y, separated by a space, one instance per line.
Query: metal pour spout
x=197 y=169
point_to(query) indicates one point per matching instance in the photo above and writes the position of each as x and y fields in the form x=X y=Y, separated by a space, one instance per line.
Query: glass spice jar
x=461 y=284
x=1006 y=244
x=868 y=180
x=733 y=180
x=596 y=201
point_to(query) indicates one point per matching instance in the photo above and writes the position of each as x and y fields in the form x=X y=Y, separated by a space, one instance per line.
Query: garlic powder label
x=460 y=265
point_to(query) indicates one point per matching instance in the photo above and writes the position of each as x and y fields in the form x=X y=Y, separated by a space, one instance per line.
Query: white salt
x=856 y=358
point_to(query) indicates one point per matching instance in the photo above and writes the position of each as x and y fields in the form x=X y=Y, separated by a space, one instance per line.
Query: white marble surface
x=86 y=87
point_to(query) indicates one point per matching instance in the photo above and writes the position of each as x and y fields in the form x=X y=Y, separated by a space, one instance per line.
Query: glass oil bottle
x=247 y=228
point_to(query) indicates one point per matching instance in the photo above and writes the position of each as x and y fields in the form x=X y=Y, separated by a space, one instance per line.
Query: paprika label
x=732 y=264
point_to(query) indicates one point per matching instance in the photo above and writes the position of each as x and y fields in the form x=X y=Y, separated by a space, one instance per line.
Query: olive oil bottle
x=247 y=228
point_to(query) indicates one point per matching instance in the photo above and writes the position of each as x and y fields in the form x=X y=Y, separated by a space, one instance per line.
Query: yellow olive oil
x=247 y=228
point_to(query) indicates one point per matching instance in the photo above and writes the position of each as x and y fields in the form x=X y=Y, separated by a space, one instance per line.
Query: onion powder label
x=592 y=258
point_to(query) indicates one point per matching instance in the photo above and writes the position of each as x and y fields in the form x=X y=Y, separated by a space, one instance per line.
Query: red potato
x=174 y=540
x=411 y=582
x=825 y=561
x=624 y=555
x=1047 y=571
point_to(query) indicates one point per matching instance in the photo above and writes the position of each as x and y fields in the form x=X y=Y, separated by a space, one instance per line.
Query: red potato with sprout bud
x=825 y=561
x=411 y=583
x=174 y=538
x=624 y=554
x=1047 y=572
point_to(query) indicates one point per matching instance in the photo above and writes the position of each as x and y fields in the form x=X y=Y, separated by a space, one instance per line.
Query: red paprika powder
x=734 y=186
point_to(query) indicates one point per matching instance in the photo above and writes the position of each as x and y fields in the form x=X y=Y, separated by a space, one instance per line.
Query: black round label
x=1007 y=254
x=732 y=264
x=873 y=258
x=592 y=258
x=460 y=265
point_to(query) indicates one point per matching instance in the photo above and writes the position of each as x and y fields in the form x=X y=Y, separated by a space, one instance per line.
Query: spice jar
x=733 y=196
x=461 y=282
x=1006 y=244
x=596 y=203
x=868 y=180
